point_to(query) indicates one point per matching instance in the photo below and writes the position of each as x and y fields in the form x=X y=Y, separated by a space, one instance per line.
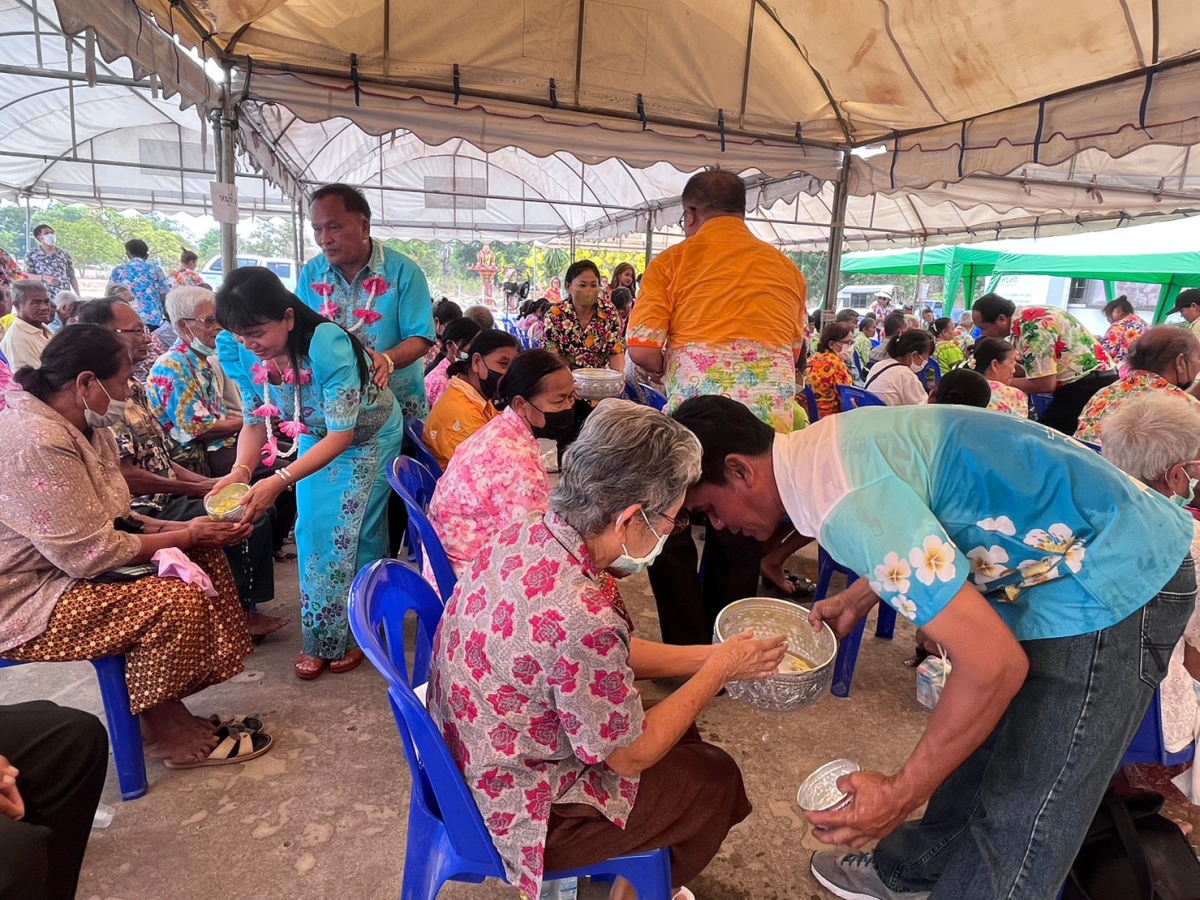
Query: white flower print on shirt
x=934 y=559
x=1058 y=538
x=905 y=607
x=1001 y=524
x=988 y=563
x=892 y=576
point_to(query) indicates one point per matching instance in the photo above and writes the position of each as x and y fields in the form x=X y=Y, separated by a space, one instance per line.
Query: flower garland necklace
x=372 y=287
x=267 y=410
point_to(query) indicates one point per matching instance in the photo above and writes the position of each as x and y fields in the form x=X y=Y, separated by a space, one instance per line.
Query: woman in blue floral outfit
x=314 y=379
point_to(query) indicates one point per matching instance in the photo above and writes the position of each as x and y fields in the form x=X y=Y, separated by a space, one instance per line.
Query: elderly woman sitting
x=1156 y=439
x=1164 y=360
x=66 y=531
x=497 y=476
x=829 y=367
x=532 y=683
x=184 y=389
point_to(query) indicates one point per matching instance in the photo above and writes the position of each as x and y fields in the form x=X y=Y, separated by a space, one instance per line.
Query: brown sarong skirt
x=688 y=802
x=176 y=640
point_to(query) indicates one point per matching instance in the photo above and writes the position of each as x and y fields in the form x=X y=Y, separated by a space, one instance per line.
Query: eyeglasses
x=679 y=523
x=207 y=321
x=145 y=329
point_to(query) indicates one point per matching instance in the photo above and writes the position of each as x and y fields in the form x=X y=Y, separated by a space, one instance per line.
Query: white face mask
x=847 y=352
x=114 y=415
x=49 y=239
x=1191 y=496
x=632 y=565
x=917 y=367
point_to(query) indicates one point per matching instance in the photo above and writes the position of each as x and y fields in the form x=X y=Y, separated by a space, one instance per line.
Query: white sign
x=1026 y=290
x=225 y=202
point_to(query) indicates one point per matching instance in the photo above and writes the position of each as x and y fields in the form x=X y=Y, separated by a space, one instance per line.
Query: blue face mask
x=1190 y=498
x=632 y=565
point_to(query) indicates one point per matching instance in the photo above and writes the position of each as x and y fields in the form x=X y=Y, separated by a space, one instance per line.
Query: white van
x=286 y=269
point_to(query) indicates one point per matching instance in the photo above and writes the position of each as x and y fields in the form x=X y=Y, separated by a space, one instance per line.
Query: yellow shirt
x=459 y=413
x=23 y=344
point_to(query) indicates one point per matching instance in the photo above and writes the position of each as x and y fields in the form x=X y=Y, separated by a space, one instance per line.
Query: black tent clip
x=642 y=110
x=721 y=126
x=457 y=84
x=553 y=94
x=354 y=79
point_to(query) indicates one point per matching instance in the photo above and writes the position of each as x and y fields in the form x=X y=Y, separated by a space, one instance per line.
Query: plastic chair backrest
x=415 y=430
x=380 y=599
x=853 y=398
x=932 y=371
x=654 y=398
x=1096 y=447
x=414 y=477
x=810 y=401
x=1040 y=403
x=422 y=537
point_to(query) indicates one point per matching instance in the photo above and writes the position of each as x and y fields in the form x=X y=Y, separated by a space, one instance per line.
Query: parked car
x=286 y=269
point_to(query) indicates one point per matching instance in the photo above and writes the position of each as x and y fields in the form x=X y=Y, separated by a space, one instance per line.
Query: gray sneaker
x=852 y=876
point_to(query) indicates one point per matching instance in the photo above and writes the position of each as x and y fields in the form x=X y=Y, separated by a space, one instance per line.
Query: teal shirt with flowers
x=919 y=500
x=387 y=303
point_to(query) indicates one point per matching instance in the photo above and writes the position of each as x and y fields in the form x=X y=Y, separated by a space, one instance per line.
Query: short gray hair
x=23 y=289
x=116 y=290
x=182 y=302
x=1149 y=434
x=627 y=454
x=65 y=297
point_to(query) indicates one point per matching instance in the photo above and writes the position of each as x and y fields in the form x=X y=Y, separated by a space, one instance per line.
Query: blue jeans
x=1007 y=823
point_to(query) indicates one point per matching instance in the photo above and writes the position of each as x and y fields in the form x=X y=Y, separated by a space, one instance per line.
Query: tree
x=209 y=245
x=271 y=237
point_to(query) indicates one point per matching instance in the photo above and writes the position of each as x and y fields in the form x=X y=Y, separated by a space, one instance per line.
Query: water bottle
x=568 y=889
x=104 y=816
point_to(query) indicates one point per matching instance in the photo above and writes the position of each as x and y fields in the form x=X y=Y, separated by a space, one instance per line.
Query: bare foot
x=170 y=732
x=260 y=625
x=773 y=572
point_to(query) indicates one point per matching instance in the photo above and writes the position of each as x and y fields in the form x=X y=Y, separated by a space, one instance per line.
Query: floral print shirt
x=9 y=270
x=758 y=376
x=61 y=492
x=1008 y=399
x=882 y=494
x=184 y=392
x=581 y=347
x=436 y=382
x=1120 y=336
x=495 y=478
x=1052 y=342
x=532 y=690
x=825 y=372
x=149 y=286
x=186 y=277
x=387 y=303
x=142 y=441
x=57 y=265
x=1107 y=401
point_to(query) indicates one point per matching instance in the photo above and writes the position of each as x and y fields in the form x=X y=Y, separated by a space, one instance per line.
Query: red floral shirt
x=581 y=347
x=532 y=690
x=825 y=372
x=1121 y=335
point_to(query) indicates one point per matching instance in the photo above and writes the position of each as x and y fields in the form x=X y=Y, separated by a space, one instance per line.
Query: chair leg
x=885 y=627
x=124 y=730
x=825 y=566
x=847 y=659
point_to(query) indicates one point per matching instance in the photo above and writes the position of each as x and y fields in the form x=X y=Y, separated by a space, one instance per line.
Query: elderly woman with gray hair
x=185 y=390
x=1156 y=439
x=532 y=682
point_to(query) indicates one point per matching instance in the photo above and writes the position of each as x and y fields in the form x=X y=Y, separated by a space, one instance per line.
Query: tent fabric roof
x=949 y=88
x=116 y=141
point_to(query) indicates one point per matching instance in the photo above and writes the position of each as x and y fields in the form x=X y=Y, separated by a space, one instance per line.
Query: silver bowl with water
x=788 y=690
x=597 y=384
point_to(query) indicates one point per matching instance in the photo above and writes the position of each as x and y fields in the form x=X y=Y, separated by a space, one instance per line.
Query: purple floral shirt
x=532 y=690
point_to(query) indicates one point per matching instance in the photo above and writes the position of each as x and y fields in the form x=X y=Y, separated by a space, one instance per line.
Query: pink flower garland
x=268 y=410
x=373 y=287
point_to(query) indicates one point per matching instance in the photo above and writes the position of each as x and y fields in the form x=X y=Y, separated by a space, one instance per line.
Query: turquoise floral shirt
x=149 y=285
x=399 y=308
x=1044 y=532
x=185 y=396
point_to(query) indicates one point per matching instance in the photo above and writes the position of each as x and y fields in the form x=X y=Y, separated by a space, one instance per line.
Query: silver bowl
x=785 y=691
x=597 y=384
x=225 y=505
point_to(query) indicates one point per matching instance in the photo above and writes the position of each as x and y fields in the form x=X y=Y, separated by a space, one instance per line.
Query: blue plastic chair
x=654 y=398
x=124 y=730
x=420 y=483
x=414 y=429
x=421 y=536
x=931 y=373
x=847 y=658
x=1040 y=403
x=1090 y=445
x=1147 y=745
x=447 y=840
x=810 y=402
x=853 y=398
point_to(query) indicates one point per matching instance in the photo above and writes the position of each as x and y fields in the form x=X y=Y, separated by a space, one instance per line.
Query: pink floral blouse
x=496 y=477
x=532 y=690
x=437 y=381
x=1008 y=399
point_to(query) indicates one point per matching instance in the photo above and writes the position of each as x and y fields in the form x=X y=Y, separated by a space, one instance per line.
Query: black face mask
x=488 y=385
x=559 y=425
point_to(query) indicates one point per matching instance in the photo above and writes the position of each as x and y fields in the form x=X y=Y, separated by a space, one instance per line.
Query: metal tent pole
x=649 y=239
x=226 y=169
x=837 y=228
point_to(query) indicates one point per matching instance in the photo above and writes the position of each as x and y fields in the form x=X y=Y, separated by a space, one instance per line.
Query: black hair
x=254 y=295
x=525 y=375
x=867 y=322
x=1158 y=347
x=40 y=228
x=354 y=200
x=940 y=325
x=577 y=268
x=487 y=341
x=96 y=312
x=74 y=350
x=910 y=342
x=989 y=350
x=894 y=323
x=717 y=190
x=992 y=306
x=724 y=427
x=460 y=333
x=188 y=256
x=446 y=311
x=622 y=298
x=836 y=331
x=1121 y=305
x=963 y=387
x=137 y=248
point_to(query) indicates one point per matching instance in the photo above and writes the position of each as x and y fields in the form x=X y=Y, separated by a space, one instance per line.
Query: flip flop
x=251 y=724
x=309 y=667
x=347 y=663
x=236 y=748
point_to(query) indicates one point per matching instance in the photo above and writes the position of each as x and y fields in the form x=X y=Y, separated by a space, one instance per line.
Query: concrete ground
x=323 y=815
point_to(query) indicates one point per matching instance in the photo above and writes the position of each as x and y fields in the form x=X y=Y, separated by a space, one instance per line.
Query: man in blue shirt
x=375 y=293
x=146 y=281
x=1059 y=628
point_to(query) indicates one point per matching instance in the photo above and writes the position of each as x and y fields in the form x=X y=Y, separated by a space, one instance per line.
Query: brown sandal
x=347 y=663
x=309 y=667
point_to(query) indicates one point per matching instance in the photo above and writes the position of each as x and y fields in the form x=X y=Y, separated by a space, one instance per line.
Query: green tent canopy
x=960 y=264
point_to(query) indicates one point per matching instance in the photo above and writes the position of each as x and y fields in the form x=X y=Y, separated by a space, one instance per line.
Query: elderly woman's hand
x=747 y=658
x=207 y=534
